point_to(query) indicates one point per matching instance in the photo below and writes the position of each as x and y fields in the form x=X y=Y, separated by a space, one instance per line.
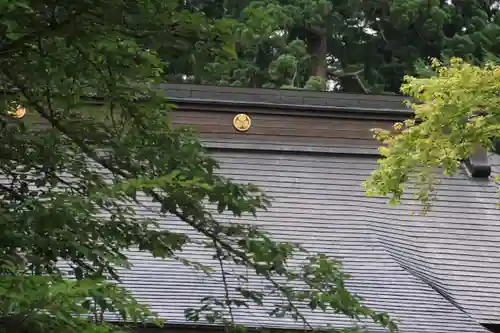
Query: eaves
x=290 y=102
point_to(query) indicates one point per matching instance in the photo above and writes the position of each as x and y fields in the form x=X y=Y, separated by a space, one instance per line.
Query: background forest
x=363 y=45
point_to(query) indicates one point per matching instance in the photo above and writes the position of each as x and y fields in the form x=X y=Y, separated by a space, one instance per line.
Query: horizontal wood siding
x=287 y=129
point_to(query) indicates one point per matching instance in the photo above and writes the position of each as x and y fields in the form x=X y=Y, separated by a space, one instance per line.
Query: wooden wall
x=290 y=129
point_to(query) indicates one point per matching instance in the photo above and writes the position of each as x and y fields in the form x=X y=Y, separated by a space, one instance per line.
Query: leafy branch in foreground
x=75 y=175
x=456 y=111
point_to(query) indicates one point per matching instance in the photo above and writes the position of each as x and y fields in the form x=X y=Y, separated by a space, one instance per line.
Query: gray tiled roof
x=414 y=267
x=455 y=249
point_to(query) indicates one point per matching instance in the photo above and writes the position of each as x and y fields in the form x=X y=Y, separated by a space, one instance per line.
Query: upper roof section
x=292 y=100
x=295 y=120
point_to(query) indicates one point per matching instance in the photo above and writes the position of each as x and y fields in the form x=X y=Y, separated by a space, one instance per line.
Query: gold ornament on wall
x=18 y=112
x=242 y=122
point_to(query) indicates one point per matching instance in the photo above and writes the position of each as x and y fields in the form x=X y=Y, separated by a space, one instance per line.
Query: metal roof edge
x=291 y=99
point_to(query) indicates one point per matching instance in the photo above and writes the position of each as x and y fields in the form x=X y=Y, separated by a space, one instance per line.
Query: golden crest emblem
x=242 y=122
x=19 y=112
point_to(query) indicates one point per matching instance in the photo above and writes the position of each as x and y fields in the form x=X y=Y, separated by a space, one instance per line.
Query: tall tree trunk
x=318 y=45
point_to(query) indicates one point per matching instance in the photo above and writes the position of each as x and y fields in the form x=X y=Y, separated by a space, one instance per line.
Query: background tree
x=71 y=173
x=361 y=45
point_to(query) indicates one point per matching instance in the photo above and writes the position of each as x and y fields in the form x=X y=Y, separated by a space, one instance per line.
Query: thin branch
x=382 y=34
x=224 y=280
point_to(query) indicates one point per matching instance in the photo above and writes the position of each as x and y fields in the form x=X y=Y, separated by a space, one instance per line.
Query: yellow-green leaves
x=456 y=111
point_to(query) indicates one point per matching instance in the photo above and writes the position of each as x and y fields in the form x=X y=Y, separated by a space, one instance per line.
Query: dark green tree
x=361 y=45
x=72 y=170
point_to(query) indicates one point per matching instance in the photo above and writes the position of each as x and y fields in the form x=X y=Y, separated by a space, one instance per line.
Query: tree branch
x=126 y=175
x=224 y=280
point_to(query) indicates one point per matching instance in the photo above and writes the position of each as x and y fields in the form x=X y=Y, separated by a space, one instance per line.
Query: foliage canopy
x=361 y=45
x=457 y=110
x=71 y=179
